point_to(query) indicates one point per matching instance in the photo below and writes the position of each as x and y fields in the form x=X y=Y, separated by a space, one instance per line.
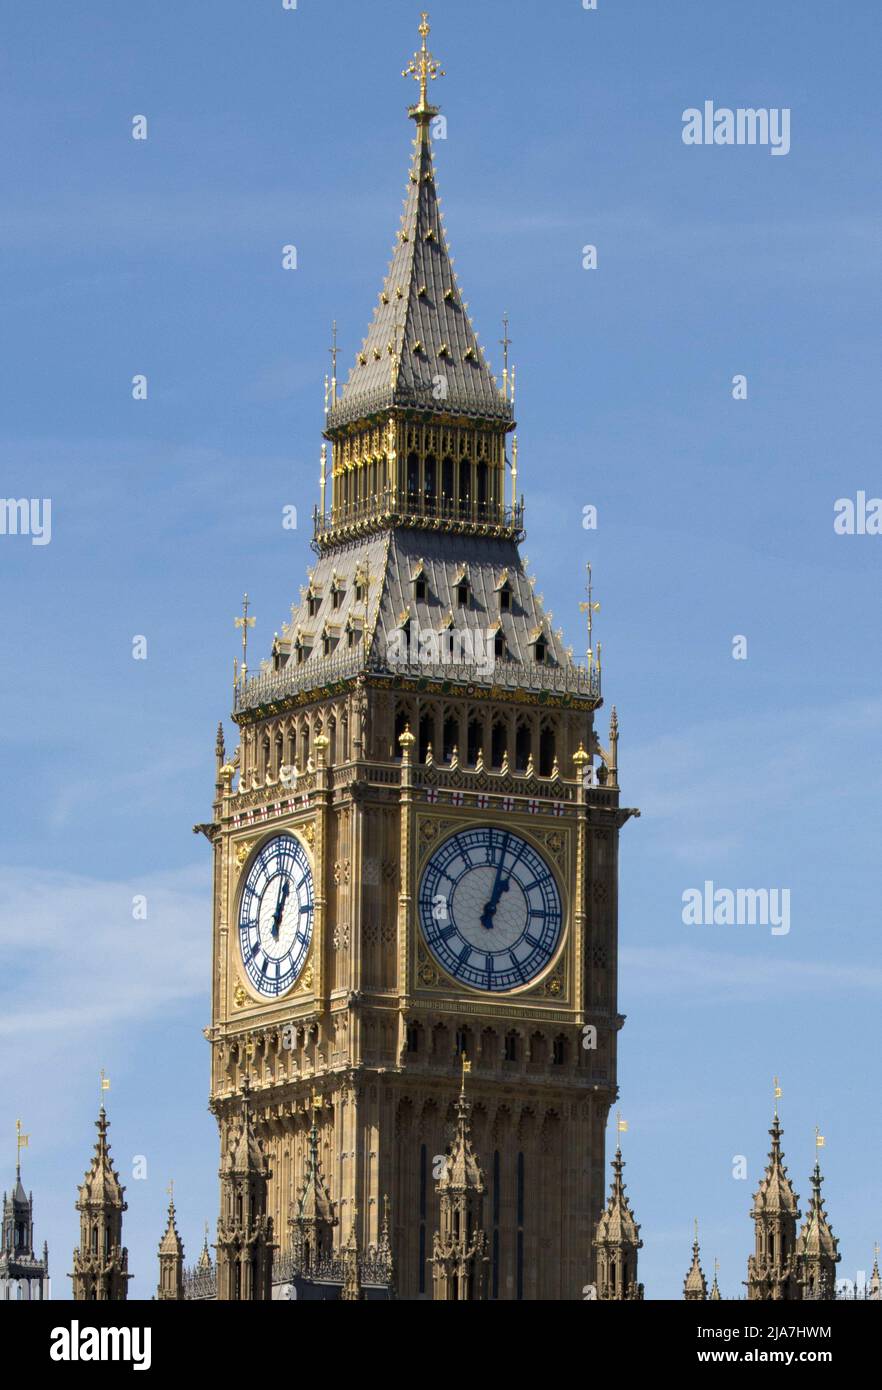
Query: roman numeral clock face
x=490 y=909
x=275 y=916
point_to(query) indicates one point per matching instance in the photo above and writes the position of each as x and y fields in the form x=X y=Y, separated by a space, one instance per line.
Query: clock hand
x=490 y=910
x=280 y=908
x=498 y=889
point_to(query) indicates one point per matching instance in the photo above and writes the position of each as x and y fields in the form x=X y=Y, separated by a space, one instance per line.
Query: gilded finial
x=590 y=608
x=778 y=1094
x=423 y=68
x=244 y=623
x=466 y=1068
x=103 y=1085
x=334 y=352
x=505 y=340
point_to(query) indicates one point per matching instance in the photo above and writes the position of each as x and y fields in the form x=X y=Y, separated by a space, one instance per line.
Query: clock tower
x=416 y=841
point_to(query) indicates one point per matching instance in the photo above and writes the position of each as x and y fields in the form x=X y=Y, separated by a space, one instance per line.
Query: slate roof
x=394 y=559
x=421 y=320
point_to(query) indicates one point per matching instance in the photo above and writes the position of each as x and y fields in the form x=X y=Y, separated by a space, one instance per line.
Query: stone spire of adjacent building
x=616 y=1242
x=313 y=1215
x=22 y=1275
x=171 y=1259
x=772 y=1270
x=874 y=1288
x=715 y=1296
x=459 y=1260
x=352 y=1290
x=695 y=1284
x=101 y=1262
x=245 y=1228
x=817 y=1247
x=205 y=1261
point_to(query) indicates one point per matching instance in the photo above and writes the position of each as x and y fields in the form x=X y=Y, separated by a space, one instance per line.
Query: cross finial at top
x=423 y=68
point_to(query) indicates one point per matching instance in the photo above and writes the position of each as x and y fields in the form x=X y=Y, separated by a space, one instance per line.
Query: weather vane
x=505 y=340
x=334 y=351
x=423 y=67
x=244 y=623
x=590 y=608
x=21 y=1142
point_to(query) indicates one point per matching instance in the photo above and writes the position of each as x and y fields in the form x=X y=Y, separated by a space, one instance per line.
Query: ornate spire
x=616 y=1242
x=22 y=1274
x=818 y=1248
x=715 y=1296
x=205 y=1261
x=245 y=1228
x=874 y=1288
x=352 y=1290
x=772 y=1269
x=695 y=1284
x=460 y=1249
x=421 y=351
x=171 y=1258
x=313 y=1216
x=100 y=1262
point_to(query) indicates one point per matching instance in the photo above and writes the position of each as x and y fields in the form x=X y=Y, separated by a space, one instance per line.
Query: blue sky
x=163 y=257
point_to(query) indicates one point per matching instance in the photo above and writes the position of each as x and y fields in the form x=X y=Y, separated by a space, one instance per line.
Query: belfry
x=416 y=843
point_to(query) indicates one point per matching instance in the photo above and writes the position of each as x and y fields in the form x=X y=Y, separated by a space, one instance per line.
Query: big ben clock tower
x=415 y=843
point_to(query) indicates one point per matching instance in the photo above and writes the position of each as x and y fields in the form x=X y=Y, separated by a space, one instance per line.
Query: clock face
x=275 y=916
x=490 y=909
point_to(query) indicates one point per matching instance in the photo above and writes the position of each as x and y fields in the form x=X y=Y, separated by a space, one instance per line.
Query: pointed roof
x=205 y=1260
x=874 y=1289
x=171 y=1243
x=421 y=327
x=101 y=1184
x=775 y=1194
x=816 y=1239
x=695 y=1282
x=617 y=1225
x=462 y=1172
x=245 y=1154
x=314 y=1202
x=715 y=1295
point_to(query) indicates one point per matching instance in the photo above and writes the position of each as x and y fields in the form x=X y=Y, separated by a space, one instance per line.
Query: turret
x=616 y=1242
x=171 y=1260
x=459 y=1262
x=101 y=1262
x=245 y=1229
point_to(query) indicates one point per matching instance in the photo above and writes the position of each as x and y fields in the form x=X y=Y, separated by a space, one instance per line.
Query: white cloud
x=74 y=962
